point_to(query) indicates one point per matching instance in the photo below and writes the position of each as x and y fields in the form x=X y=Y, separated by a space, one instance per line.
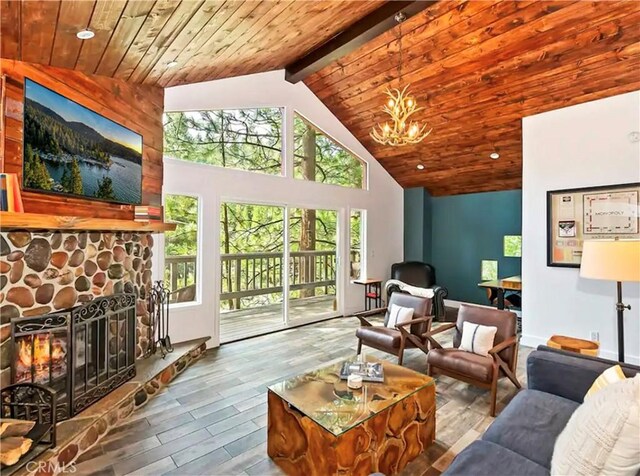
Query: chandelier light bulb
x=391 y=103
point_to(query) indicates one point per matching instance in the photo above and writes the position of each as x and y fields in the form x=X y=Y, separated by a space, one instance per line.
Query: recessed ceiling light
x=420 y=167
x=85 y=34
x=494 y=155
x=172 y=64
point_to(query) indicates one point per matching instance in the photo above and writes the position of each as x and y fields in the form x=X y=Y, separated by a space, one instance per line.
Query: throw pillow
x=602 y=436
x=611 y=375
x=399 y=315
x=476 y=338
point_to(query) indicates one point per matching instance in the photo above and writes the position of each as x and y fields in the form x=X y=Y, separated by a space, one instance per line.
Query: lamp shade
x=613 y=260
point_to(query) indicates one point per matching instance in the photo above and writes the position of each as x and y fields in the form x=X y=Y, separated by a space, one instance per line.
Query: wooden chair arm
x=429 y=335
x=503 y=345
x=364 y=322
x=414 y=321
x=371 y=312
x=440 y=329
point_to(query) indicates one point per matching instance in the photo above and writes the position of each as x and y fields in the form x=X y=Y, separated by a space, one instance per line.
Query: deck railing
x=258 y=274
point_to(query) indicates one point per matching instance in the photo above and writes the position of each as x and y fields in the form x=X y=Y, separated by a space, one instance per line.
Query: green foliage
x=333 y=163
x=182 y=210
x=489 y=270
x=35 y=173
x=513 y=246
x=105 y=189
x=74 y=179
x=51 y=134
x=247 y=139
x=251 y=140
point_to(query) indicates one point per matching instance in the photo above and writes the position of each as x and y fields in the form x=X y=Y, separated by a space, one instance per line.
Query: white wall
x=579 y=146
x=383 y=201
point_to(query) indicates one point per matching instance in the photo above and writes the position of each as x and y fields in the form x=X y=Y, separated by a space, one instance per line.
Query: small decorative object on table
x=369 y=371
x=159 y=320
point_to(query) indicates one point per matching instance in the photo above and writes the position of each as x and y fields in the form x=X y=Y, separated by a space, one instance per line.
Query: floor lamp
x=613 y=260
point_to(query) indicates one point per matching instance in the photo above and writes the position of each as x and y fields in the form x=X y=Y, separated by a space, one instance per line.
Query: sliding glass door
x=313 y=264
x=258 y=292
x=251 y=271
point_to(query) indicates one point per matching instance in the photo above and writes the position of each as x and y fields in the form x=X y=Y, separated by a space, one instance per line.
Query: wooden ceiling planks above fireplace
x=478 y=68
x=136 y=40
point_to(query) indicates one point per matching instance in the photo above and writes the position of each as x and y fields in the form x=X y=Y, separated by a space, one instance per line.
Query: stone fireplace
x=51 y=272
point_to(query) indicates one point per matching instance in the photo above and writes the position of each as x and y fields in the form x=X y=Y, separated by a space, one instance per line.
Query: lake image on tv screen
x=72 y=150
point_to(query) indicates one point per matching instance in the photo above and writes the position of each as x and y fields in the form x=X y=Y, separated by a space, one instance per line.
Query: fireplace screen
x=82 y=353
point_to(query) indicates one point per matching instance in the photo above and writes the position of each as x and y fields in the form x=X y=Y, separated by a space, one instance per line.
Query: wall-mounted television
x=72 y=150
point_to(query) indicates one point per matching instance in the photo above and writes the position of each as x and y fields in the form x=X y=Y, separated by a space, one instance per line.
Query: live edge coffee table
x=318 y=426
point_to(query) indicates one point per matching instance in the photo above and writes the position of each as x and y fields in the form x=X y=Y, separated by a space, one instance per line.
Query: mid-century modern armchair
x=404 y=336
x=422 y=275
x=473 y=368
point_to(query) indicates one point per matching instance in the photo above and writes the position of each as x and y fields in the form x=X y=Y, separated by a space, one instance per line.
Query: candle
x=354 y=381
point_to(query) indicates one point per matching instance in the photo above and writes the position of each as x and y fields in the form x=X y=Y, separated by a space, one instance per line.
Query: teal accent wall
x=414 y=223
x=457 y=232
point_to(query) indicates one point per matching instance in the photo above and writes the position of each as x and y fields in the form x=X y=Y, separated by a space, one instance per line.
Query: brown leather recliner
x=472 y=368
x=395 y=340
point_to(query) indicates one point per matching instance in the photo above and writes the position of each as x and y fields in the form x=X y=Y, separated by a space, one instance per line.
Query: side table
x=572 y=344
x=372 y=292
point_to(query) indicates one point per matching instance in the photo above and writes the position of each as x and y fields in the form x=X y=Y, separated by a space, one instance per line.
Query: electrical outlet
x=595 y=336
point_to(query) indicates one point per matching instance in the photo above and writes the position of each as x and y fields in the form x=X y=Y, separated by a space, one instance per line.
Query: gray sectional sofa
x=521 y=439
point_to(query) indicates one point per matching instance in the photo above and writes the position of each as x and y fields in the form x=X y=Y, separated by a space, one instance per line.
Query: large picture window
x=318 y=158
x=246 y=139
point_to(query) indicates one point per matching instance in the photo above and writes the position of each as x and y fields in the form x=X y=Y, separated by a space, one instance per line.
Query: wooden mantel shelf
x=37 y=221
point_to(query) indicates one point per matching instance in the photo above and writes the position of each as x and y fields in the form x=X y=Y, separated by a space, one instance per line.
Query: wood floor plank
x=212 y=419
x=246 y=443
x=129 y=465
x=203 y=465
x=213 y=443
x=193 y=425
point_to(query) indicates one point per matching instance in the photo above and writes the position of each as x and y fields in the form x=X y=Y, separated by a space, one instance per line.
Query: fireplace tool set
x=159 y=320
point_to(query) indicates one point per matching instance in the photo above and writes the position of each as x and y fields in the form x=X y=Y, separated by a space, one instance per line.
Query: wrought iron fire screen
x=82 y=353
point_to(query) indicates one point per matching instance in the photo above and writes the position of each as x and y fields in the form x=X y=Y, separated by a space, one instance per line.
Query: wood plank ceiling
x=479 y=67
x=136 y=39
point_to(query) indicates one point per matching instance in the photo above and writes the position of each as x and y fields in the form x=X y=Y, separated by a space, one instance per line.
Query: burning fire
x=43 y=356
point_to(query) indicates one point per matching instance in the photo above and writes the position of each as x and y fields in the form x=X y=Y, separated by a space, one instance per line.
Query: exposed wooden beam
x=361 y=32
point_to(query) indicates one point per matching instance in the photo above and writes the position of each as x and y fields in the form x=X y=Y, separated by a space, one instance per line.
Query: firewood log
x=12 y=448
x=13 y=427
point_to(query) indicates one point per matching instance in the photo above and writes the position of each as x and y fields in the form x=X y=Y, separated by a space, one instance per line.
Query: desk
x=372 y=292
x=513 y=283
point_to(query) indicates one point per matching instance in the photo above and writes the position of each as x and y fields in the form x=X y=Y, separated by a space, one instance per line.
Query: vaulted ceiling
x=136 y=39
x=477 y=67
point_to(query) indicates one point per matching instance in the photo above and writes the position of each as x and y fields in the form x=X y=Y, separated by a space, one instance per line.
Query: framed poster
x=590 y=213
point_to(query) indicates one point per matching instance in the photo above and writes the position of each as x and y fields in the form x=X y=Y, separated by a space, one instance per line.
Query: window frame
x=365 y=163
x=198 y=273
x=283 y=139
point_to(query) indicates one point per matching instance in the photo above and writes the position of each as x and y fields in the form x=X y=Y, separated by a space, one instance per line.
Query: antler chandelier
x=401 y=106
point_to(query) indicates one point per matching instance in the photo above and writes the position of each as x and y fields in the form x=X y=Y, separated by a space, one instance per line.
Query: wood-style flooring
x=212 y=419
